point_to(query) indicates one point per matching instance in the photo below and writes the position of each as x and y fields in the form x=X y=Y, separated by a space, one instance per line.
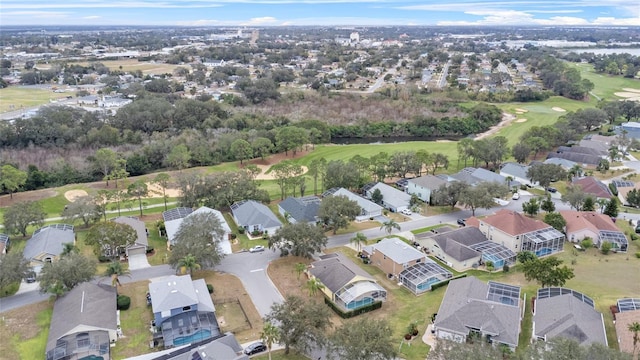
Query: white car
x=516 y=196
x=406 y=211
x=257 y=248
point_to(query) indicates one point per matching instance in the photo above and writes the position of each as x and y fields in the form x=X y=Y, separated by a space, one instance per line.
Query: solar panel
x=65 y=227
x=177 y=213
x=503 y=293
x=629 y=304
x=550 y=292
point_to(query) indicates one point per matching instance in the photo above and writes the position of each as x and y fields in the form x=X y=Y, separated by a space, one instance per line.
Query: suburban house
x=424 y=186
x=345 y=283
x=576 y=157
x=518 y=172
x=46 y=244
x=521 y=233
x=139 y=247
x=472 y=308
x=628 y=313
x=599 y=227
x=465 y=248
x=369 y=208
x=84 y=323
x=473 y=176
x=624 y=187
x=566 y=164
x=592 y=186
x=392 y=198
x=183 y=311
x=222 y=347
x=562 y=312
x=393 y=255
x=4 y=243
x=300 y=210
x=179 y=214
x=255 y=217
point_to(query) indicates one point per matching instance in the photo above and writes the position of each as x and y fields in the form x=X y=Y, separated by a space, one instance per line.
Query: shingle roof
x=465 y=304
x=48 y=240
x=625 y=337
x=87 y=304
x=395 y=249
x=568 y=317
x=578 y=220
x=137 y=225
x=335 y=271
x=392 y=196
x=456 y=243
x=430 y=182
x=576 y=157
x=366 y=205
x=172 y=220
x=593 y=186
x=514 y=223
x=565 y=163
x=516 y=170
x=176 y=292
x=303 y=209
x=251 y=212
x=581 y=150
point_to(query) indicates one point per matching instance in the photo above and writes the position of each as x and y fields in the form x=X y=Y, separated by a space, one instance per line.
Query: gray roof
x=430 y=182
x=366 y=205
x=87 y=304
x=395 y=249
x=225 y=347
x=473 y=176
x=581 y=150
x=48 y=240
x=568 y=317
x=599 y=145
x=172 y=220
x=251 y=212
x=565 y=163
x=576 y=157
x=304 y=209
x=336 y=270
x=516 y=170
x=175 y=292
x=466 y=305
x=137 y=225
x=391 y=195
x=457 y=243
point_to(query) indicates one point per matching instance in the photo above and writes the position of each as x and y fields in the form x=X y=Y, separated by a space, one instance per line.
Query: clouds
x=319 y=12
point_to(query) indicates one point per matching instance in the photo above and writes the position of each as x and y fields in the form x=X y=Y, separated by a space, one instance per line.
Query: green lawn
x=18 y=97
x=35 y=347
x=606 y=85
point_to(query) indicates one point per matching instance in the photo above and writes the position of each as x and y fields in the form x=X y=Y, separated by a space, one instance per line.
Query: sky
x=320 y=12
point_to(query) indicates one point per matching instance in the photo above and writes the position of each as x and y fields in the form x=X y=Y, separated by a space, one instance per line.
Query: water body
x=632 y=51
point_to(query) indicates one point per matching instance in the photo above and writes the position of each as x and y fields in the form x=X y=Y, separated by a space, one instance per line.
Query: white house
x=392 y=198
x=424 y=186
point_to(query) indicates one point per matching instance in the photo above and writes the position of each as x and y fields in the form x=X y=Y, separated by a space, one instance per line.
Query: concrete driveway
x=138 y=261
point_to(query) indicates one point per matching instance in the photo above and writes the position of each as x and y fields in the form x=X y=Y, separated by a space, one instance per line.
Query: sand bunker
x=155 y=191
x=73 y=195
x=558 y=109
x=632 y=90
x=628 y=95
x=443 y=141
x=521 y=120
x=271 y=175
x=522 y=110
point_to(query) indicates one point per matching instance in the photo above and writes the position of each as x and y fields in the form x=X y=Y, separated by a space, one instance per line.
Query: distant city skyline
x=320 y=12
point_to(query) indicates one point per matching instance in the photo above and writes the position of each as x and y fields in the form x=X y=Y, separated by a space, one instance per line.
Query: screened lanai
x=543 y=242
x=420 y=277
x=498 y=254
x=617 y=239
x=358 y=294
x=557 y=291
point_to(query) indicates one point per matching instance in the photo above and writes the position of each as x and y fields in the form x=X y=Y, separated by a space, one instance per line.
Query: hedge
x=446 y=282
x=613 y=188
x=350 y=314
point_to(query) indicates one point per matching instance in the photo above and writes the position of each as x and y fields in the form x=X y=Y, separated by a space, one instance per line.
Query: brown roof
x=593 y=186
x=578 y=220
x=625 y=337
x=473 y=221
x=514 y=223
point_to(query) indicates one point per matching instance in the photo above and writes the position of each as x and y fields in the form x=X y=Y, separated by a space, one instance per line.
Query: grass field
x=18 y=97
x=606 y=85
x=133 y=65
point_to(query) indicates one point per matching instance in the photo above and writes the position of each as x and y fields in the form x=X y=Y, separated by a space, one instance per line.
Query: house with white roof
x=369 y=208
x=392 y=198
x=173 y=220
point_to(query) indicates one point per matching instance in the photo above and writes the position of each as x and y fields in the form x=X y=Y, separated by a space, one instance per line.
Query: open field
x=606 y=85
x=133 y=65
x=19 y=97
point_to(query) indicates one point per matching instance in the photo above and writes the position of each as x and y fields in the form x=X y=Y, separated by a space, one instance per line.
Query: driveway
x=138 y=261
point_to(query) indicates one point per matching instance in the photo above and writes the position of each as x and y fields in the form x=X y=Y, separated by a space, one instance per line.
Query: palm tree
x=602 y=204
x=389 y=225
x=115 y=270
x=300 y=268
x=270 y=334
x=68 y=248
x=635 y=329
x=313 y=285
x=358 y=239
x=188 y=262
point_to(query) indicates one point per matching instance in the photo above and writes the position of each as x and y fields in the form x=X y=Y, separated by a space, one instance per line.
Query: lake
x=632 y=51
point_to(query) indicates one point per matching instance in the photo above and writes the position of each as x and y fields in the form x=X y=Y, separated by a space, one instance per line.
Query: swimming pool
x=196 y=336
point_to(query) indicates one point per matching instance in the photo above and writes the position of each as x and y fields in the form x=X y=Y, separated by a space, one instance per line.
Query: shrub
x=150 y=249
x=605 y=247
x=505 y=268
x=613 y=188
x=123 y=302
x=638 y=254
x=489 y=265
x=210 y=288
x=633 y=237
x=586 y=243
x=233 y=236
x=240 y=230
x=104 y=259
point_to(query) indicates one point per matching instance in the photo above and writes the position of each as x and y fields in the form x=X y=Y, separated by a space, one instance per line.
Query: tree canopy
x=298 y=239
x=20 y=215
x=198 y=235
x=547 y=272
x=110 y=238
x=13 y=268
x=63 y=275
x=364 y=339
x=336 y=212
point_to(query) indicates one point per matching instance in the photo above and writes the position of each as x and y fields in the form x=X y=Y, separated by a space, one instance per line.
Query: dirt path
x=506 y=120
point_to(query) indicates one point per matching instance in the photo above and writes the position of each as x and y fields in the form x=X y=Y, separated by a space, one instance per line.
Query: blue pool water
x=360 y=303
x=196 y=336
x=427 y=284
x=543 y=252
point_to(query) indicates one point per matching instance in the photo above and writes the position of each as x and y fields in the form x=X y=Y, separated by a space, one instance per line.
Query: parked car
x=516 y=196
x=638 y=229
x=257 y=248
x=552 y=189
x=461 y=222
x=406 y=211
x=255 y=348
x=30 y=277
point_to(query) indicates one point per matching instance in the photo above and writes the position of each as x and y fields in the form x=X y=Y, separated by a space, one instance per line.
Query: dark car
x=461 y=222
x=31 y=277
x=552 y=189
x=255 y=348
